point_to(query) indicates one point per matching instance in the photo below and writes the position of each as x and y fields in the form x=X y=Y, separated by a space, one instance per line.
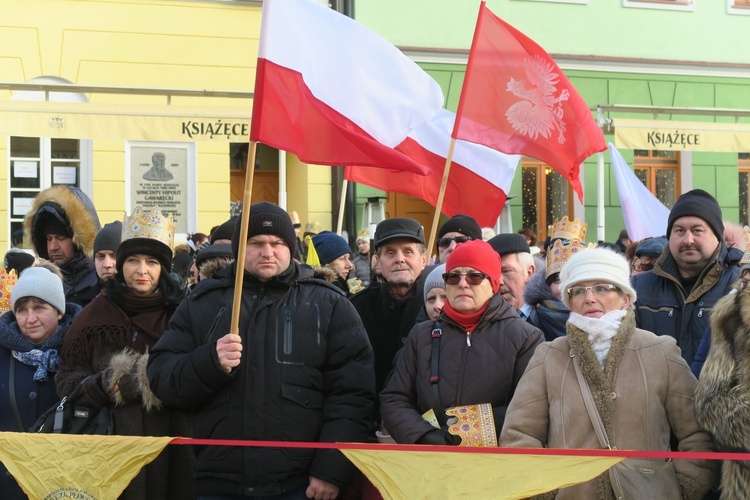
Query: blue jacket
x=664 y=308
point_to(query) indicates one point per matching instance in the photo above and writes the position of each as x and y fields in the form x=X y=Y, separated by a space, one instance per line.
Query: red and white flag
x=334 y=92
x=479 y=179
x=517 y=100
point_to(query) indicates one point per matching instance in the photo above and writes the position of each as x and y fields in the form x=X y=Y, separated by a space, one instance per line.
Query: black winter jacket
x=664 y=308
x=306 y=375
x=487 y=371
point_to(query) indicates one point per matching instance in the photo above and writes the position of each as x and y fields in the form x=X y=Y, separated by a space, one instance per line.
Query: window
x=659 y=172
x=37 y=163
x=684 y=5
x=744 y=172
x=738 y=7
x=546 y=196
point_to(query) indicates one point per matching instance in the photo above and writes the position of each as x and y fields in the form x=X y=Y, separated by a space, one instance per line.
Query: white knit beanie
x=596 y=264
x=40 y=283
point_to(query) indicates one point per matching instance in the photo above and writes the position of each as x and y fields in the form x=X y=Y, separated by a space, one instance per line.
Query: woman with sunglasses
x=478 y=357
x=642 y=388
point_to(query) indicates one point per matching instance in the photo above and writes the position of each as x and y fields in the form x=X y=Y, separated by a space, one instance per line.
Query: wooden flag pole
x=344 y=186
x=441 y=195
x=234 y=326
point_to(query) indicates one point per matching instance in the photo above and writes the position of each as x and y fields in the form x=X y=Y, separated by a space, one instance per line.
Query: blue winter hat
x=651 y=247
x=330 y=246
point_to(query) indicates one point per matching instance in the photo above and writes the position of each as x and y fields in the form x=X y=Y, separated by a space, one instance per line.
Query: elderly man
x=300 y=369
x=389 y=311
x=518 y=268
x=692 y=273
x=62 y=225
x=456 y=230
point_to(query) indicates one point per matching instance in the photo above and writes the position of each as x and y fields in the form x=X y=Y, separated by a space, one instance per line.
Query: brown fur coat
x=722 y=399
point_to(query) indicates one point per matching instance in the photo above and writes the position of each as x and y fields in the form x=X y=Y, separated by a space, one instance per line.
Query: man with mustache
x=690 y=275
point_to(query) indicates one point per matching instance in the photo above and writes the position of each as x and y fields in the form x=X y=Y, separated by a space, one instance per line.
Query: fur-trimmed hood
x=537 y=289
x=69 y=206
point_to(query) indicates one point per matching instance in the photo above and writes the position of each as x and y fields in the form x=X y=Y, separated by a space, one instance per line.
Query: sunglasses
x=446 y=242
x=472 y=279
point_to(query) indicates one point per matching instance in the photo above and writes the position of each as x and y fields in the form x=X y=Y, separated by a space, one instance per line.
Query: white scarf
x=600 y=330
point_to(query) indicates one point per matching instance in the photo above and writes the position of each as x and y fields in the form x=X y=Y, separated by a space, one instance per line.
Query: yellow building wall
x=152 y=44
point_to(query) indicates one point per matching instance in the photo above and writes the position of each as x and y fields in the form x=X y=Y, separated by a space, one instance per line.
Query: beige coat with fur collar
x=645 y=389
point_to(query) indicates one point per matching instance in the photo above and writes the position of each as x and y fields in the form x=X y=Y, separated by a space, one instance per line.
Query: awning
x=125 y=122
x=678 y=135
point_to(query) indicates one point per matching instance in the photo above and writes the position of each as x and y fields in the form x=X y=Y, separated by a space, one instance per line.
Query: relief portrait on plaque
x=158 y=171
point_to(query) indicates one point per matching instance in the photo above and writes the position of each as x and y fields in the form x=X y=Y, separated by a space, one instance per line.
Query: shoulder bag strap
x=434 y=377
x=596 y=419
x=12 y=390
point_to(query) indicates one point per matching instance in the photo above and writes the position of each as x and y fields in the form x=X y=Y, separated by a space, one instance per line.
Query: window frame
x=542 y=223
x=678 y=5
x=653 y=164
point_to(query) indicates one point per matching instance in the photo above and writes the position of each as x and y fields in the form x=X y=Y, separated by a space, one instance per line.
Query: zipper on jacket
x=468 y=338
x=214 y=325
x=671 y=312
x=700 y=312
x=288 y=332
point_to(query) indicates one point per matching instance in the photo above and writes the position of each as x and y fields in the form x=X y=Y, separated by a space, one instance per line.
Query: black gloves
x=439 y=437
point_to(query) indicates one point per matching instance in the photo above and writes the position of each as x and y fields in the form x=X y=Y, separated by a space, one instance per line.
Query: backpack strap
x=437 y=333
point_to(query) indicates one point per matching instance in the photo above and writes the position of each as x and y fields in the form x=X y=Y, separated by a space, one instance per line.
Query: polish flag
x=333 y=92
x=479 y=179
x=645 y=216
x=517 y=100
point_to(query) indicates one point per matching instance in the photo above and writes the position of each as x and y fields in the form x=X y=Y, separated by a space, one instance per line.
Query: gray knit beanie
x=108 y=237
x=42 y=284
x=434 y=280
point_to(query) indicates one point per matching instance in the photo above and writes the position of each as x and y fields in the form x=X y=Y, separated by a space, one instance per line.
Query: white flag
x=645 y=216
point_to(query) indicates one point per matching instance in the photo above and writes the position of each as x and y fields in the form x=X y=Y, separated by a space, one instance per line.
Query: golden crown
x=475 y=424
x=745 y=258
x=559 y=253
x=7 y=282
x=566 y=229
x=150 y=225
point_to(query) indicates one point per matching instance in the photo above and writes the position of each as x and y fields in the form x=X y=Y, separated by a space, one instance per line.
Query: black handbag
x=66 y=417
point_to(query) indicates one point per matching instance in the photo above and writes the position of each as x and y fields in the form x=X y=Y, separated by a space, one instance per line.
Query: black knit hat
x=18 y=259
x=267 y=218
x=144 y=246
x=108 y=237
x=463 y=224
x=698 y=203
x=224 y=231
x=213 y=251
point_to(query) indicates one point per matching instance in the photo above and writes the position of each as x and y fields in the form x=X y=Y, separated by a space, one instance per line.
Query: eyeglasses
x=446 y=242
x=599 y=290
x=472 y=279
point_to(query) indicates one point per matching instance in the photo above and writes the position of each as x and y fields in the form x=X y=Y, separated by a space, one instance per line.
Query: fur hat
x=477 y=254
x=463 y=224
x=434 y=280
x=42 y=284
x=108 y=237
x=596 y=264
x=267 y=218
x=698 y=203
x=329 y=246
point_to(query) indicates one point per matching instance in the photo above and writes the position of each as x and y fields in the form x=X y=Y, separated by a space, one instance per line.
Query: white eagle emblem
x=541 y=112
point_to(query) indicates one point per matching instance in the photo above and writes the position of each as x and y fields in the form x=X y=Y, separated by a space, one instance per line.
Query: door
x=404 y=205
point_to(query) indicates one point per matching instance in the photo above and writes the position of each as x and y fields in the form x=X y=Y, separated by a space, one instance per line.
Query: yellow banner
x=425 y=474
x=81 y=120
x=58 y=466
x=686 y=136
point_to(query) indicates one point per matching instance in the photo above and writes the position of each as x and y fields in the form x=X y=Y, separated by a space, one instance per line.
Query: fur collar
x=537 y=290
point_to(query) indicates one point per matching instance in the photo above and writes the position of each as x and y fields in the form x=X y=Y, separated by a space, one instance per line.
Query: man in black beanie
x=692 y=273
x=456 y=230
x=105 y=250
x=300 y=369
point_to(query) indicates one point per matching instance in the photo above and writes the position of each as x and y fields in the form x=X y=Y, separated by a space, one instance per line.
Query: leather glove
x=439 y=437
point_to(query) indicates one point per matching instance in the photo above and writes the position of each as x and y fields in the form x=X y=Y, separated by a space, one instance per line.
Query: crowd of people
x=379 y=342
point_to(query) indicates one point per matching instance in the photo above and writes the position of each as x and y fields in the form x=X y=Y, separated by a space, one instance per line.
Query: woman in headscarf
x=641 y=386
x=109 y=344
x=482 y=352
x=31 y=335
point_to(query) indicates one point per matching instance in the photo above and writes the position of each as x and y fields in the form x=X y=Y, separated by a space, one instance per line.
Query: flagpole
x=342 y=202
x=234 y=326
x=441 y=195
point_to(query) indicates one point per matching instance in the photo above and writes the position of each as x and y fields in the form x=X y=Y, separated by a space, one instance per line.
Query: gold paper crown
x=566 y=229
x=150 y=225
x=475 y=425
x=559 y=253
x=7 y=282
x=745 y=258
x=313 y=227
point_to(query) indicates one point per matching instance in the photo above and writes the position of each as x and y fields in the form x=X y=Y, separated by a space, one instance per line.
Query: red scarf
x=467 y=321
